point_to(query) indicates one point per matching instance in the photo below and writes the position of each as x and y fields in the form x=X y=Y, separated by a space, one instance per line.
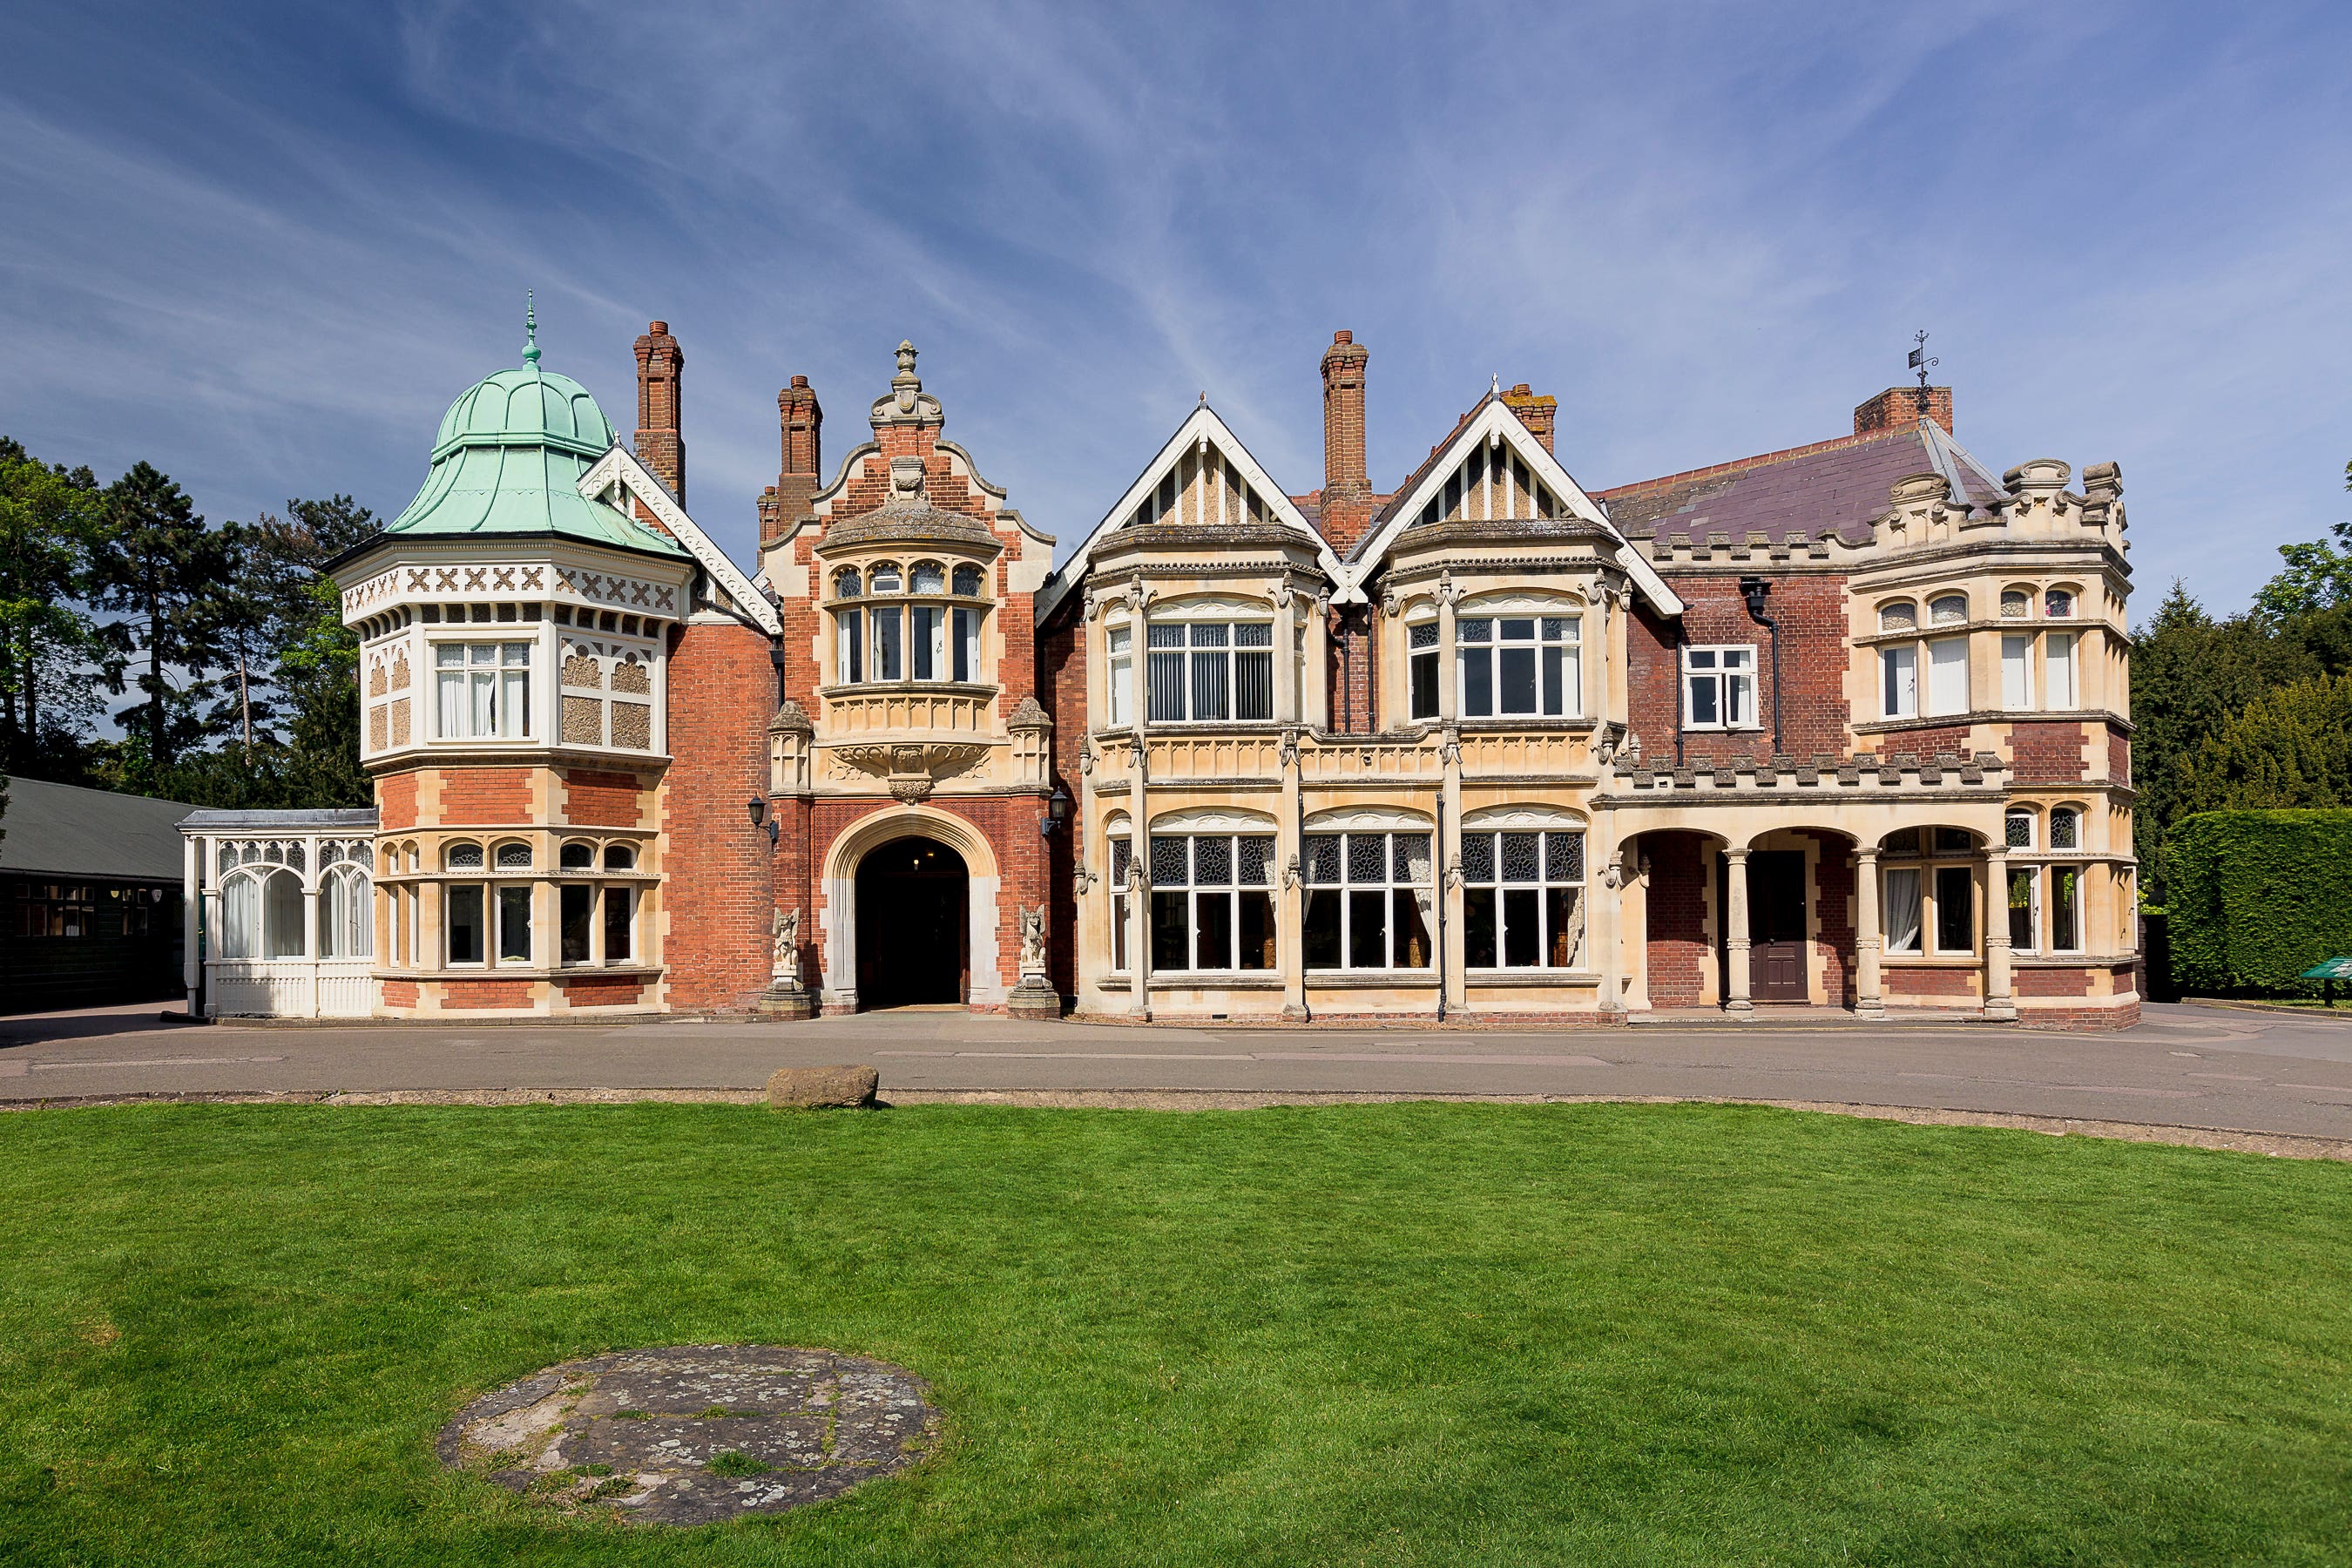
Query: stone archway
x=837 y=920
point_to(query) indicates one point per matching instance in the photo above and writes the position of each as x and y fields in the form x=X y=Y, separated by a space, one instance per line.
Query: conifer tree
x=158 y=564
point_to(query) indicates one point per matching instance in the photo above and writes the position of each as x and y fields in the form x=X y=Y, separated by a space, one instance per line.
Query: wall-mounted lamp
x=1057 y=812
x=758 y=810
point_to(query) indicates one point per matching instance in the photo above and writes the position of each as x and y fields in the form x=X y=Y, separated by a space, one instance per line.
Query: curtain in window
x=1900 y=668
x=1167 y=673
x=2016 y=670
x=282 y=916
x=2058 y=672
x=889 y=657
x=1902 y=910
x=849 y=647
x=240 y=918
x=1947 y=675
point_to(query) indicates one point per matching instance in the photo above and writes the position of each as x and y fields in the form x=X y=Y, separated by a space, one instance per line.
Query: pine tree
x=159 y=564
x=2189 y=673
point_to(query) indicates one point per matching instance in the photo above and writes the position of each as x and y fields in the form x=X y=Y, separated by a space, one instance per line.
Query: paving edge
x=2283 y=1145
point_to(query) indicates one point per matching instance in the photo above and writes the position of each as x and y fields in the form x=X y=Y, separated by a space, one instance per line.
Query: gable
x=619 y=473
x=1493 y=468
x=1204 y=477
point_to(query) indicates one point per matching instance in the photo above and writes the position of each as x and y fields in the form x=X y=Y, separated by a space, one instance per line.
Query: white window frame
x=1711 y=669
x=1560 y=697
x=1195 y=893
x=1898 y=680
x=1424 y=668
x=494 y=683
x=1212 y=647
x=1118 y=662
x=1488 y=879
x=1339 y=879
x=2062 y=671
x=2017 y=671
x=1947 y=675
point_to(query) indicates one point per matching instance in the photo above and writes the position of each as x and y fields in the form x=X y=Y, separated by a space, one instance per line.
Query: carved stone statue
x=787 y=964
x=1033 y=941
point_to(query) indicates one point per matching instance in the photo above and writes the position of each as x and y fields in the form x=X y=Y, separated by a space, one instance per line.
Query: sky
x=264 y=246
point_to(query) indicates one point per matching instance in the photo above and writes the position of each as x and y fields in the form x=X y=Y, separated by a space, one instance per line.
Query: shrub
x=2255 y=898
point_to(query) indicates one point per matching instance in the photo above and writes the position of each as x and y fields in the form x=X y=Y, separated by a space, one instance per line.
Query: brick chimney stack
x=1536 y=413
x=1344 y=473
x=801 y=418
x=661 y=366
x=1902 y=407
x=1346 y=499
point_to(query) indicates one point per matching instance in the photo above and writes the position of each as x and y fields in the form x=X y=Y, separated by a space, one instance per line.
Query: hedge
x=2255 y=898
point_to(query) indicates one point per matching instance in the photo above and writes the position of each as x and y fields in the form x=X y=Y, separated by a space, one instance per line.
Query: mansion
x=1844 y=726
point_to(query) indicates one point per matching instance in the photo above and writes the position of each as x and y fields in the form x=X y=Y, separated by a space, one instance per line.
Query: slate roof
x=71 y=831
x=1836 y=486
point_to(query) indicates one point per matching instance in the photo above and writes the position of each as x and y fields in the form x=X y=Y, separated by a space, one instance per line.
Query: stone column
x=1734 y=930
x=1290 y=896
x=2000 y=1000
x=192 y=855
x=1286 y=653
x=1869 y=937
x=1601 y=927
x=1449 y=696
x=1454 y=987
x=1318 y=663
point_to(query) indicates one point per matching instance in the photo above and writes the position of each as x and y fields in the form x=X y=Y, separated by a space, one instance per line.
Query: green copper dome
x=509 y=458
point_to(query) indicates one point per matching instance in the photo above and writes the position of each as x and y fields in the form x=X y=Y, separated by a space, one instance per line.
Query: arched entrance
x=913 y=925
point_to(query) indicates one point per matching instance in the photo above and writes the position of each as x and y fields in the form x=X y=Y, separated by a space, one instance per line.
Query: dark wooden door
x=1776 y=925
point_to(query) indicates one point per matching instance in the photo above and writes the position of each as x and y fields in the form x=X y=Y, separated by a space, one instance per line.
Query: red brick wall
x=1062 y=688
x=1354 y=682
x=396 y=801
x=486 y=993
x=2118 y=755
x=601 y=800
x=485 y=794
x=1811 y=610
x=1942 y=740
x=400 y=993
x=2046 y=753
x=1679 y=950
x=717 y=883
x=1833 y=912
x=603 y=991
x=2052 y=982
x=1929 y=981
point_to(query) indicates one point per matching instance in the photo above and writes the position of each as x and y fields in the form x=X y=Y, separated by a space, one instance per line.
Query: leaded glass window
x=1379 y=917
x=1523 y=899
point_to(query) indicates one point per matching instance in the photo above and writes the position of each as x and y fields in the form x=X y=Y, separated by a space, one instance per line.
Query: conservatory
x=281 y=914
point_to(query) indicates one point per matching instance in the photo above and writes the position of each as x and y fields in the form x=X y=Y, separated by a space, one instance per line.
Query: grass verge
x=1393 y=1333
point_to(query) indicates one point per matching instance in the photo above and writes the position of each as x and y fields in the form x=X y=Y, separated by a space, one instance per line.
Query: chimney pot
x=799 y=381
x=655 y=328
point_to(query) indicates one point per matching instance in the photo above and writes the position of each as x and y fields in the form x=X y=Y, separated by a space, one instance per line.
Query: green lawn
x=1423 y=1333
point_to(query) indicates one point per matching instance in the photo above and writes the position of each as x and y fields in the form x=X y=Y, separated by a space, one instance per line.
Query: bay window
x=1366 y=901
x=1518 y=665
x=1719 y=688
x=877 y=642
x=1929 y=908
x=1523 y=899
x=481 y=690
x=1212 y=904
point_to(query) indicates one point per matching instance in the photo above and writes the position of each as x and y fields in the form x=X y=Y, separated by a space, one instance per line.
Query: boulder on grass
x=823 y=1089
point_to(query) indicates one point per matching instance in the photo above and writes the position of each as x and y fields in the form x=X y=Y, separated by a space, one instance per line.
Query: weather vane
x=1919 y=360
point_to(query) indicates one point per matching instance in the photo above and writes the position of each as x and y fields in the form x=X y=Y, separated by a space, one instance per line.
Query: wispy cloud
x=271 y=244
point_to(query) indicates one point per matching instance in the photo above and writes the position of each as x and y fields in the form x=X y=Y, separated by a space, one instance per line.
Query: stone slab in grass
x=694 y=1434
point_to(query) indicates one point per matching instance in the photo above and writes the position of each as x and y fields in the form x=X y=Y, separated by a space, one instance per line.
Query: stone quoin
x=1845 y=725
